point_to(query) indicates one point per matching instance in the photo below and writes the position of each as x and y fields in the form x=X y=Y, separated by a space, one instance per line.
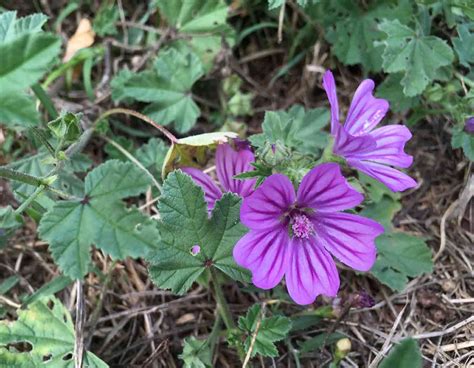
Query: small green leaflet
x=202 y=23
x=105 y=20
x=404 y=355
x=167 y=87
x=400 y=256
x=184 y=224
x=46 y=327
x=463 y=44
x=196 y=353
x=100 y=218
x=418 y=56
x=461 y=139
x=18 y=109
x=270 y=330
x=296 y=128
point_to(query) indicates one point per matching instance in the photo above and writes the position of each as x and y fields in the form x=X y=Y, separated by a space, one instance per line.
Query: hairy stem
x=22 y=177
x=30 y=199
x=223 y=308
x=136 y=114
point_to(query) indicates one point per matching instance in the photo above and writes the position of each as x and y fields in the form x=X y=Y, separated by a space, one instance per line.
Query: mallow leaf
x=202 y=23
x=418 y=56
x=463 y=44
x=25 y=59
x=191 y=242
x=11 y=27
x=46 y=328
x=100 y=218
x=167 y=87
x=400 y=256
x=405 y=354
x=270 y=330
x=17 y=109
x=152 y=155
x=464 y=140
x=196 y=353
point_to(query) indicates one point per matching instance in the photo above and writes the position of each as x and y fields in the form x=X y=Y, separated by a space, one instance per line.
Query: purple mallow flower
x=229 y=162
x=371 y=151
x=294 y=234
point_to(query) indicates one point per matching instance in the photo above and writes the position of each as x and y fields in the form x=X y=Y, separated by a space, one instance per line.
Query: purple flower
x=229 y=162
x=294 y=234
x=371 y=151
x=469 y=125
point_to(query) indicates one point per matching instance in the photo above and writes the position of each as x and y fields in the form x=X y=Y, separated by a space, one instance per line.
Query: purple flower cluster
x=296 y=233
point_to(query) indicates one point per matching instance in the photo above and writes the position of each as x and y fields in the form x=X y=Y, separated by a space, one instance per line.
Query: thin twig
x=80 y=319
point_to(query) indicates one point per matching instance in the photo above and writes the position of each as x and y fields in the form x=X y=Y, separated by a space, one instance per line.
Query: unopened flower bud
x=469 y=125
x=343 y=347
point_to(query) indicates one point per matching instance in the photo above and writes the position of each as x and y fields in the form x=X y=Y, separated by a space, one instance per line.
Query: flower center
x=301 y=226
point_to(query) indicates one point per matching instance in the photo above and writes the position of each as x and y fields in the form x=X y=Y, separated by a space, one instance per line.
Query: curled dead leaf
x=82 y=38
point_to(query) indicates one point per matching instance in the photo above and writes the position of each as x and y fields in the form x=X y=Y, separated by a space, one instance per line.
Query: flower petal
x=350 y=238
x=211 y=192
x=365 y=111
x=346 y=145
x=390 y=142
x=229 y=163
x=263 y=209
x=311 y=272
x=394 y=179
x=324 y=188
x=265 y=254
x=329 y=86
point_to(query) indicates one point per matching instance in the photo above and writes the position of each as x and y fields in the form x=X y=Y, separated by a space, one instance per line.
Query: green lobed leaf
x=400 y=256
x=382 y=211
x=185 y=224
x=45 y=326
x=392 y=90
x=105 y=20
x=463 y=44
x=203 y=23
x=196 y=353
x=418 y=56
x=461 y=139
x=270 y=330
x=25 y=59
x=167 y=87
x=100 y=218
x=405 y=354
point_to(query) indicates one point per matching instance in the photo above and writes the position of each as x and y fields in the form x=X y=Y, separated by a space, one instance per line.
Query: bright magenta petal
x=365 y=111
x=324 y=188
x=350 y=238
x=391 y=141
x=229 y=163
x=265 y=253
x=211 y=192
x=394 y=179
x=311 y=272
x=329 y=86
x=265 y=207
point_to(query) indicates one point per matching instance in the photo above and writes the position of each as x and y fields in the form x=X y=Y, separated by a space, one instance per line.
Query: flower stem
x=142 y=117
x=223 y=309
x=22 y=177
x=30 y=199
